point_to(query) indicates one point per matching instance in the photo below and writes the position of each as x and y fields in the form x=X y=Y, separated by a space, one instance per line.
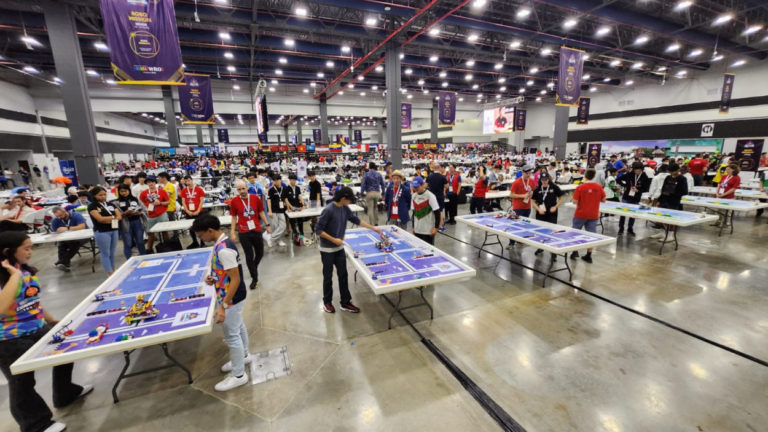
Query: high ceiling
x=491 y=48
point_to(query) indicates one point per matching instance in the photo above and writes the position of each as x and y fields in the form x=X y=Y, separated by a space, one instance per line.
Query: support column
x=298 y=132
x=560 y=136
x=324 y=120
x=394 y=134
x=170 y=116
x=199 y=130
x=433 y=123
x=42 y=133
x=287 y=138
x=62 y=33
x=349 y=134
x=380 y=130
x=211 y=135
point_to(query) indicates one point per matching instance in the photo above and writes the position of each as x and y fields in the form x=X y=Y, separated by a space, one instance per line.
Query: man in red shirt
x=156 y=200
x=521 y=192
x=246 y=211
x=587 y=198
x=192 y=197
x=697 y=167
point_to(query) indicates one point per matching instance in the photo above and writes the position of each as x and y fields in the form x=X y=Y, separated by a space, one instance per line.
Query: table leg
x=395 y=308
x=93 y=255
x=723 y=222
x=666 y=235
x=731 y=221
x=127 y=359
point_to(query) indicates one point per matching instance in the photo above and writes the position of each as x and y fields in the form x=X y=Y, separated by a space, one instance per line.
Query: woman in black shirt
x=547 y=198
x=106 y=218
x=293 y=202
x=132 y=225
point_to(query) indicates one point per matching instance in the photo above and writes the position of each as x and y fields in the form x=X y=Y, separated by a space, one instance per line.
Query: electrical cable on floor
x=626 y=308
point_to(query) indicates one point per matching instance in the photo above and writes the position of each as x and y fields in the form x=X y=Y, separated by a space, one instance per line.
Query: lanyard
x=191 y=192
x=637 y=177
x=544 y=193
x=526 y=185
x=246 y=205
x=398 y=190
x=724 y=183
x=105 y=208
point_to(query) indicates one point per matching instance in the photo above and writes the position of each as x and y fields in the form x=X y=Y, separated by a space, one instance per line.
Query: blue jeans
x=107 y=243
x=236 y=337
x=588 y=224
x=134 y=236
x=521 y=213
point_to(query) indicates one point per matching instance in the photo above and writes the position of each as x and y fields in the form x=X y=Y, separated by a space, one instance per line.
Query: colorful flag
x=447 y=109
x=405 y=116
x=569 y=77
x=143 y=41
x=725 y=98
x=582 y=117
x=196 y=100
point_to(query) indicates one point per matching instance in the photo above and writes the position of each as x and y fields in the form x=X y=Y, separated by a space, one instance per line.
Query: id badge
x=150 y=207
x=191 y=206
x=394 y=210
x=282 y=204
x=631 y=193
x=543 y=207
x=114 y=223
x=525 y=200
x=251 y=225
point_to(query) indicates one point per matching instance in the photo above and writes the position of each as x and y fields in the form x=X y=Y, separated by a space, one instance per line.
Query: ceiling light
x=638 y=65
x=472 y=37
x=282 y=60
x=379 y=68
x=330 y=64
x=433 y=59
x=375 y=87
x=695 y=53
x=738 y=63
x=521 y=90
x=661 y=69
x=228 y=55
x=717 y=57
x=529 y=83
x=586 y=77
x=502 y=80
x=543 y=92
x=682 y=4
x=538 y=99
x=551 y=84
x=362 y=93
x=570 y=23
x=534 y=70
x=681 y=74
x=426 y=91
x=443 y=74
x=301 y=11
x=361 y=78
x=585 y=56
x=57 y=80
x=33 y=70
x=92 y=72
x=445 y=84
x=752 y=29
x=615 y=63
x=606 y=79
x=237 y=87
x=478 y=3
x=602 y=31
x=592 y=89
x=289 y=42
x=351 y=86
x=402 y=56
x=274 y=82
x=224 y=36
x=320 y=75
x=345 y=49
x=498 y=96
x=722 y=19
x=410 y=96
x=470 y=63
x=514 y=44
x=629 y=83
x=421 y=82
x=370 y=22
x=313 y=84
x=642 y=39
x=408 y=71
x=272 y=89
x=475 y=86
x=523 y=13
x=546 y=51
x=503 y=88
x=29 y=40
x=468 y=77
x=231 y=68
x=461 y=99
x=278 y=71
x=341 y=93
x=434 y=31
x=101 y=46
x=674 y=47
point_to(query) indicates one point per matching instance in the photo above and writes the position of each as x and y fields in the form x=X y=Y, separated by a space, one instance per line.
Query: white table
x=316 y=211
x=740 y=193
x=725 y=208
x=553 y=238
x=185 y=224
x=77 y=235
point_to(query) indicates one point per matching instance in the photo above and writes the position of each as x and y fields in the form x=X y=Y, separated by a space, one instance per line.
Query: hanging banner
x=447 y=109
x=593 y=154
x=196 y=100
x=748 y=154
x=143 y=41
x=223 y=135
x=520 y=116
x=358 y=135
x=405 y=116
x=68 y=170
x=317 y=136
x=725 y=98
x=263 y=138
x=569 y=77
x=582 y=117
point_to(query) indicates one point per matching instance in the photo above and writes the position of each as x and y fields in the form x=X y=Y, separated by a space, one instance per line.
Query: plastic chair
x=35 y=220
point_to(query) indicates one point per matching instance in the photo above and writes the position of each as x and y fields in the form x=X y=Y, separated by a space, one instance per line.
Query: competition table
x=413 y=263
x=663 y=216
x=740 y=193
x=174 y=284
x=725 y=208
x=78 y=235
x=313 y=211
x=553 y=238
x=185 y=224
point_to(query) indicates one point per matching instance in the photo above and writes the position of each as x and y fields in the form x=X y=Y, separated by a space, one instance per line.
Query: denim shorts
x=588 y=224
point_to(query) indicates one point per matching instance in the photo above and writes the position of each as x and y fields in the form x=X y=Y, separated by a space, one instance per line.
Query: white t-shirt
x=138 y=188
x=227 y=256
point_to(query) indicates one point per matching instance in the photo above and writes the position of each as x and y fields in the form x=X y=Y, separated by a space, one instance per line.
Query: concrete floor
x=554 y=358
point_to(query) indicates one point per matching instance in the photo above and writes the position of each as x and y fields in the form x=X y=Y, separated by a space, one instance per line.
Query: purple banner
x=263 y=139
x=748 y=154
x=447 y=109
x=358 y=135
x=143 y=41
x=582 y=117
x=317 y=136
x=520 y=116
x=725 y=98
x=405 y=116
x=569 y=77
x=593 y=154
x=196 y=100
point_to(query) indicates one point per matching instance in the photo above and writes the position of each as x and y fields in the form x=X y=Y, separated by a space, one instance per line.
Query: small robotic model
x=385 y=244
x=96 y=334
x=140 y=311
x=61 y=334
x=510 y=214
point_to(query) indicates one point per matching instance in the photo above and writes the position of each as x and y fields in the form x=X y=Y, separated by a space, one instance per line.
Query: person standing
x=23 y=322
x=248 y=216
x=164 y=180
x=331 y=227
x=156 y=201
x=521 y=193
x=227 y=278
x=132 y=225
x=64 y=221
x=276 y=209
x=106 y=221
x=141 y=184
x=192 y=197
x=477 y=203
x=729 y=183
x=438 y=185
x=587 y=198
x=635 y=184
x=673 y=190
x=697 y=167
x=294 y=202
x=546 y=199
x=372 y=186
x=654 y=191
x=398 y=200
x=427 y=216
x=452 y=193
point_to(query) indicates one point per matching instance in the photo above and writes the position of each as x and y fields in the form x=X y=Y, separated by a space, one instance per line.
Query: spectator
x=372 y=187
x=133 y=222
x=398 y=200
x=587 y=198
x=672 y=191
x=64 y=221
x=635 y=184
x=521 y=193
x=106 y=218
x=156 y=200
x=427 y=216
x=14 y=213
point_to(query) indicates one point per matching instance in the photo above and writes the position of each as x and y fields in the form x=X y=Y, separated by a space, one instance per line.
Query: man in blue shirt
x=620 y=166
x=372 y=186
x=65 y=221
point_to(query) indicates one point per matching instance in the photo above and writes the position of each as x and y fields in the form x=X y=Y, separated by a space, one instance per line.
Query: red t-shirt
x=519 y=187
x=193 y=198
x=729 y=182
x=481 y=188
x=148 y=198
x=588 y=197
x=652 y=163
x=246 y=213
x=697 y=166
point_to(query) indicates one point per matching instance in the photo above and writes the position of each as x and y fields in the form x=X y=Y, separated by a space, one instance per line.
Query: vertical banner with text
x=748 y=154
x=447 y=109
x=569 y=77
x=196 y=100
x=358 y=135
x=582 y=117
x=725 y=98
x=317 y=136
x=520 y=117
x=593 y=154
x=143 y=41
x=405 y=116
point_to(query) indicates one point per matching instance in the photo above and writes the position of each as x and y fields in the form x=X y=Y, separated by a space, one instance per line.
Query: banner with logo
x=68 y=170
x=317 y=136
x=263 y=138
x=582 y=117
x=446 y=110
x=358 y=135
x=725 y=98
x=143 y=41
x=593 y=154
x=223 y=135
x=196 y=100
x=748 y=154
x=520 y=117
x=569 y=77
x=405 y=116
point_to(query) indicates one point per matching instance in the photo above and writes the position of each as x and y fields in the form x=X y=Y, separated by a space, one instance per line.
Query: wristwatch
x=225 y=305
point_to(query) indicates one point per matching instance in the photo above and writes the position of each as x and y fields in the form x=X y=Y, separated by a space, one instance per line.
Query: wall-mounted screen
x=498 y=120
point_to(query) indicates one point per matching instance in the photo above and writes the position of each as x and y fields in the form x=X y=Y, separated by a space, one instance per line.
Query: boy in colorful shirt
x=227 y=277
x=427 y=217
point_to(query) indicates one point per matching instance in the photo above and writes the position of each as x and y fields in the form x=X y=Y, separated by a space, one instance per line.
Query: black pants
x=297 y=225
x=68 y=249
x=338 y=259
x=698 y=180
x=27 y=407
x=171 y=216
x=631 y=220
x=195 y=242
x=7 y=225
x=476 y=205
x=253 y=246
x=426 y=237
x=452 y=206
x=547 y=217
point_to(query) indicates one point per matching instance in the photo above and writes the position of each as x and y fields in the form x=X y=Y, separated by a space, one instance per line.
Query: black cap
x=345 y=192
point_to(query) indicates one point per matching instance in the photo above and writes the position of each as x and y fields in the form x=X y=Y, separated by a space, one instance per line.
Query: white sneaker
x=56 y=427
x=231 y=382
x=227 y=367
x=657 y=236
x=281 y=243
x=269 y=243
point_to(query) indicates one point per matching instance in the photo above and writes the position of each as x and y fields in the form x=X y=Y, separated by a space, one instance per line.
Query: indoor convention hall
x=384 y=215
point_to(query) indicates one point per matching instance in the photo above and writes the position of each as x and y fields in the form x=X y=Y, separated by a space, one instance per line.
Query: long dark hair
x=95 y=191
x=124 y=187
x=9 y=242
